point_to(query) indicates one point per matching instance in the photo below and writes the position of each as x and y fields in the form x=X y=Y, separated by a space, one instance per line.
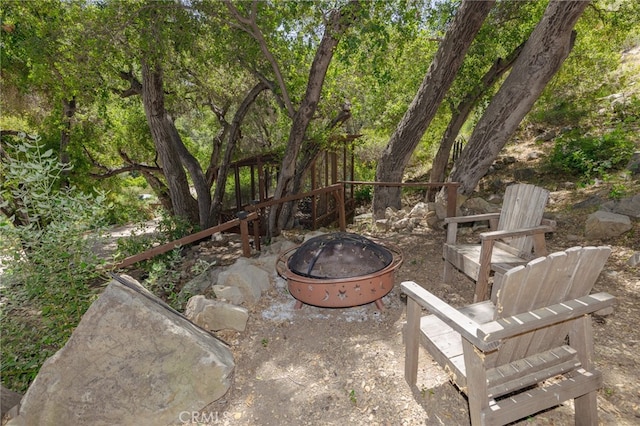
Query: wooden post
x=262 y=189
x=314 y=212
x=342 y=217
x=256 y=228
x=244 y=233
x=411 y=340
x=253 y=182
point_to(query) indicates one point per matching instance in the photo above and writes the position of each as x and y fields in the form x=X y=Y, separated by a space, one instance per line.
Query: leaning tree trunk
x=544 y=52
x=183 y=204
x=309 y=152
x=337 y=23
x=234 y=134
x=196 y=173
x=423 y=108
x=464 y=108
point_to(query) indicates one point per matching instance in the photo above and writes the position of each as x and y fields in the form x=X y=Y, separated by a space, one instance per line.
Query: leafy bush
x=363 y=194
x=558 y=112
x=589 y=156
x=163 y=276
x=49 y=259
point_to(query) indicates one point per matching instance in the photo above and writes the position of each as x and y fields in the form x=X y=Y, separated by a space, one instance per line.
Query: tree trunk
x=310 y=150
x=234 y=134
x=462 y=111
x=543 y=54
x=198 y=178
x=337 y=23
x=183 y=204
x=423 y=108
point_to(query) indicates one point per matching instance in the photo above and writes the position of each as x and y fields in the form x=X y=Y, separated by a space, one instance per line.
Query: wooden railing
x=252 y=214
x=241 y=221
x=336 y=189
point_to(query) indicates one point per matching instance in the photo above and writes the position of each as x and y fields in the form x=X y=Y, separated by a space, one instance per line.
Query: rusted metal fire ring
x=340 y=292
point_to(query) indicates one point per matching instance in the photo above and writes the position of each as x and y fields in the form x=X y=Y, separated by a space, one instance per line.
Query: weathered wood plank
x=528 y=321
x=411 y=333
x=531 y=370
x=526 y=403
x=524 y=205
x=445 y=349
x=449 y=315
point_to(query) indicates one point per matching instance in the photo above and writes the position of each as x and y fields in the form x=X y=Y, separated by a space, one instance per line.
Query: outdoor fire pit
x=339 y=270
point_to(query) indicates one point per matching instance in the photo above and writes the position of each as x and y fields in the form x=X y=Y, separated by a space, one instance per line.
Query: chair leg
x=586 y=407
x=448 y=272
x=412 y=342
x=482 y=284
x=476 y=382
x=581 y=339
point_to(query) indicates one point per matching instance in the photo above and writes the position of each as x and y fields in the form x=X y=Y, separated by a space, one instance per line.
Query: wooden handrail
x=338 y=190
x=244 y=233
x=331 y=188
x=419 y=184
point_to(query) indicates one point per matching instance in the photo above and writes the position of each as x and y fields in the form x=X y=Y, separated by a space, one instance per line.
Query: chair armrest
x=452 y=223
x=487 y=336
x=544 y=317
x=522 y=232
x=461 y=323
x=471 y=218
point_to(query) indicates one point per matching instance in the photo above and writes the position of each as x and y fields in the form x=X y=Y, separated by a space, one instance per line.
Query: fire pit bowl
x=339 y=270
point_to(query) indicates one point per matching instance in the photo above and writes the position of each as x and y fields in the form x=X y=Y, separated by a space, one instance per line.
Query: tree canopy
x=174 y=91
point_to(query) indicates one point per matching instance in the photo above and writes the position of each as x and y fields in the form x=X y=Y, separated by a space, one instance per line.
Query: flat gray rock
x=129 y=361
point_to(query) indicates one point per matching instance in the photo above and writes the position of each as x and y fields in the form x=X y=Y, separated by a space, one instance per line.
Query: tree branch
x=135 y=87
x=251 y=27
x=17 y=133
x=108 y=172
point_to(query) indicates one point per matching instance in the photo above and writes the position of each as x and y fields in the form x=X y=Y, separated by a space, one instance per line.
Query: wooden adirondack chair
x=517 y=238
x=500 y=354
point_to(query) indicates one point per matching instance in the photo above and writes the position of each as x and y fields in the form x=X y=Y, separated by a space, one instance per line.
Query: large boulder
x=602 y=224
x=131 y=360
x=634 y=163
x=629 y=206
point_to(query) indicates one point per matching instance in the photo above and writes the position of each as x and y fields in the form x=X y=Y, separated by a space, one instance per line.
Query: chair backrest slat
x=543 y=282
x=523 y=207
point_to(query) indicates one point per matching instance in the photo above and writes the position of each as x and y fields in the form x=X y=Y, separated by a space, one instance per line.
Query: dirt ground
x=320 y=366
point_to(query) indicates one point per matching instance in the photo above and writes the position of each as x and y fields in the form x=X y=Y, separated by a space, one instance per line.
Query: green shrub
x=49 y=259
x=559 y=113
x=363 y=194
x=589 y=156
